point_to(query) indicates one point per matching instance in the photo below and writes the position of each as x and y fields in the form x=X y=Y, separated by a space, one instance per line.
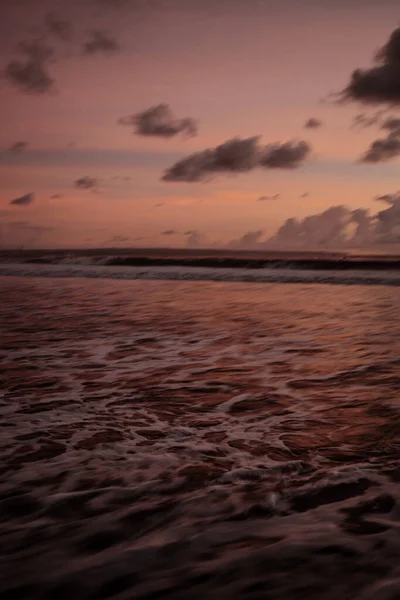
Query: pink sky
x=242 y=69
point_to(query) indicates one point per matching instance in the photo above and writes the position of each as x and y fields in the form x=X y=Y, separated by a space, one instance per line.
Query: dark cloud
x=56 y=196
x=100 y=43
x=237 y=156
x=18 y=147
x=170 y=232
x=23 y=200
x=379 y=84
x=86 y=183
x=159 y=121
x=386 y=148
x=382 y=150
x=313 y=123
x=31 y=74
x=305 y=195
x=159 y=204
x=58 y=27
x=285 y=156
x=392 y=124
x=270 y=197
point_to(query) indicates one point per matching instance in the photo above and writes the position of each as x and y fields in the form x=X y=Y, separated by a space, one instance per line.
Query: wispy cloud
x=23 y=200
x=58 y=27
x=100 y=42
x=18 y=147
x=269 y=197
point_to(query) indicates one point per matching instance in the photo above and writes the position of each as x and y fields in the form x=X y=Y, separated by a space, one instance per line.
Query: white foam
x=179 y=273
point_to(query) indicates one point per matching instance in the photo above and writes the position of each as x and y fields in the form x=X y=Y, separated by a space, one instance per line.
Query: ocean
x=209 y=430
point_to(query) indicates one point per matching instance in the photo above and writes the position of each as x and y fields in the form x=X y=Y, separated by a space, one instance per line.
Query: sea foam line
x=179 y=273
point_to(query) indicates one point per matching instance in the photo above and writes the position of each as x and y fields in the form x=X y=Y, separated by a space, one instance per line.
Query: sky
x=227 y=123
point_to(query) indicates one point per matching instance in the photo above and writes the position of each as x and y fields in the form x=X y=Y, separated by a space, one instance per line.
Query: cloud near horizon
x=195 y=238
x=238 y=156
x=269 y=197
x=337 y=227
x=159 y=121
x=18 y=147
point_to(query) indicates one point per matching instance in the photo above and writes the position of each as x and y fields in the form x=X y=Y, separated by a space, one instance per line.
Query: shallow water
x=199 y=439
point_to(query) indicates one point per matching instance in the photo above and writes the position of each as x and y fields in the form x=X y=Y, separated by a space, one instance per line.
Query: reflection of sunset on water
x=271 y=408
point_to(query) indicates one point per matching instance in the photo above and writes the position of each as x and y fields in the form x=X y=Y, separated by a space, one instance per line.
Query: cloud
x=382 y=150
x=195 y=238
x=285 y=156
x=86 y=183
x=250 y=240
x=22 y=233
x=170 y=232
x=340 y=227
x=31 y=75
x=389 y=198
x=305 y=195
x=392 y=124
x=58 y=27
x=388 y=220
x=270 y=197
x=56 y=196
x=313 y=123
x=326 y=229
x=362 y=120
x=23 y=200
x=159 y=121
x=159 y=204
x=100 y=43
x=379 y=84
x=237 y=156
x=386 y=148
x=18 y=147
x=118 y=239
